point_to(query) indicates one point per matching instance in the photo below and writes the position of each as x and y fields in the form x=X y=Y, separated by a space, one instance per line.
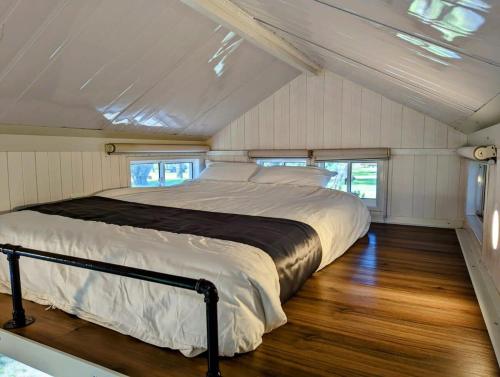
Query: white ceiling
x=157 y=66
x=131 y=65
x=441 y=57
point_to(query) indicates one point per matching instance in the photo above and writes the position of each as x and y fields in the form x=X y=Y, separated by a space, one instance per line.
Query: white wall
x=327 y=111
x=35 y=169
x=489 y=256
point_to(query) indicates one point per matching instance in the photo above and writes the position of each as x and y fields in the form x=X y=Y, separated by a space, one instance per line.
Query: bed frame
x=201 y=286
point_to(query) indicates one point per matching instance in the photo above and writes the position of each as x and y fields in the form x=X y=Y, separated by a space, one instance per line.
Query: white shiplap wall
x=37 y=177
x=327 y=111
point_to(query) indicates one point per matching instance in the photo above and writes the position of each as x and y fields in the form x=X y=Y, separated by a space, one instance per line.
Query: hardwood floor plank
x=398 y=303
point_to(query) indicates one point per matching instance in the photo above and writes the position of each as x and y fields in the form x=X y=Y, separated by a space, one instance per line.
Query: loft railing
x=201 y=286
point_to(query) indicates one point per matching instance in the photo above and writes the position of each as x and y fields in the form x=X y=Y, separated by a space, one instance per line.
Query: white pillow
x=229 y=171
x=293 y=175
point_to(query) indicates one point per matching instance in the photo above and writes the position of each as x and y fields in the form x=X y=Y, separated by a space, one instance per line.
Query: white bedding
x=245 y=276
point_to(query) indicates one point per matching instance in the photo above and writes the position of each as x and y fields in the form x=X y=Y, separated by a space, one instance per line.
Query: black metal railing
x=201 y=286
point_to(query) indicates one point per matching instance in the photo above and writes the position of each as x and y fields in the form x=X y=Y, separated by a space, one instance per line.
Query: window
x=282 y=162
x=360 y=178
x=480 y=191
x=160 y=173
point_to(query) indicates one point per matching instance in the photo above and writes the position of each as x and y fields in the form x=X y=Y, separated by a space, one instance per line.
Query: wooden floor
x=399 y=303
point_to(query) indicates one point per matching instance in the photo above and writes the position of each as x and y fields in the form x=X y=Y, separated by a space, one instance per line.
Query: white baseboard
x=452 y=224
x=486 y=293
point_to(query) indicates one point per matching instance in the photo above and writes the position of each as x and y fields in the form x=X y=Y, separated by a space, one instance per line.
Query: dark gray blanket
x=294 y=246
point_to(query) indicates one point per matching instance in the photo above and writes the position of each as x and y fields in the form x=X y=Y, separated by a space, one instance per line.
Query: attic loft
x=249 y=188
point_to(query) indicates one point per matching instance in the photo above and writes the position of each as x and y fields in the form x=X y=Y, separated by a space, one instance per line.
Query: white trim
x=423 y=151
x=438 y=223
x=49 y=360
x=486 y=293
x=234 y=18
x=476 y=226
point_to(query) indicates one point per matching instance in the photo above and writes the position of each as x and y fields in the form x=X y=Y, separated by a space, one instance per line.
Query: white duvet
x=245 y=276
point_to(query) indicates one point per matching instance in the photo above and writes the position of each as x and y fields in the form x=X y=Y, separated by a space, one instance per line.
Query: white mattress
x=245 y=276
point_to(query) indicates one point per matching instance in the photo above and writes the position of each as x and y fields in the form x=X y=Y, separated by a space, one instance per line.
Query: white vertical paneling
x=430 y=187
x=124 y=172
x=238 y=133
x=266 y=123
x=447 y=187
x=282 y=118
x=333 y=111
x=298 y=112
x=402 y=186
x=419 y=163
x=77 y=173
x=456 y=139
x=115 y=171
x=391 y=124
x=16 y=189
x=371 y=112
x=413 y=129
x=252 y=128
x=215 y=141
x=87 y=173
x=42 y=176
x=351 y=114
x=4 y=183
x=435 y=134
x=66 y=175
x=106 y=171
x=315 y=110
x=96 y=172
x=55 y=177
x=330 y=112
x=29 y=178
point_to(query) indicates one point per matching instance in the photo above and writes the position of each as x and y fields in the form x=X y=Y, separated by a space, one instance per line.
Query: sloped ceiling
x=157 y=66
x=440 y=57
x=154 y=66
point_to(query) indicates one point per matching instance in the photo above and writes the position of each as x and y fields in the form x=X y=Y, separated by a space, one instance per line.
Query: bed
x=246 y=277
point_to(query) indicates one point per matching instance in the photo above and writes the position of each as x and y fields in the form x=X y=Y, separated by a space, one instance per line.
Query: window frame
x=306 y=161
x=196 y=166
x=378 y=209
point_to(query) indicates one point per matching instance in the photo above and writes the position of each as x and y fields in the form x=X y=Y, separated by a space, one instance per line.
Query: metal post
x=19 y=319
x=211 y=298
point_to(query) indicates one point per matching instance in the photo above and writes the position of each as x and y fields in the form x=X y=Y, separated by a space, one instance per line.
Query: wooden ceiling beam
x=236 y=19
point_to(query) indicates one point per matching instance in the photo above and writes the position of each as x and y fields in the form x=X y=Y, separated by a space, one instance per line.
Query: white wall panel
x=333 y=111
x=252 y=128
x=413 y=129
x=4 y=183
x=55 y=177
x=87 y=173
x=351 y=114
x=29 y=178
x=371 y=118
x=115 y=171
x=315 y=110
x=16 y=182
x=328 y=111
x=66 y=175
x=106 y=172
x=42 y=176
x=391 y=124
x=282 y=118
x=402 y=186
x=266 y=123
x=38 y=169
x=298 y=112
x=77 y=173
x=96 y=171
